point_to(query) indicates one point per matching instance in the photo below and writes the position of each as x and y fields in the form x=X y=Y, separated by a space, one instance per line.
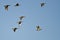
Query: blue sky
x=48 y=17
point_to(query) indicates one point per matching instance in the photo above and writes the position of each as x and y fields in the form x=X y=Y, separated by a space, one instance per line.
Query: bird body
x=6 y=7
x=21 y=17
x=14 y=29
x=19 y=22
x=42 y=4
x=17 y=4
x=38 y=28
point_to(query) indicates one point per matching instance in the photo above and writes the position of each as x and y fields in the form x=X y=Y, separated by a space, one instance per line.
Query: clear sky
x=48 y=17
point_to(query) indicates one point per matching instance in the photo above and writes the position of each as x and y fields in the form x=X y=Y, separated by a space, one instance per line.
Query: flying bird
x=42 y=4
x=21 y=17
x=14 y=29
x=17 y=4
x=38 y=28
x=6 y=7
x=19 y=22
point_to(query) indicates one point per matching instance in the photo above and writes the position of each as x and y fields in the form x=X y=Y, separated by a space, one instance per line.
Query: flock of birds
x=20 y=22
x=17 y=4
x=38 y=28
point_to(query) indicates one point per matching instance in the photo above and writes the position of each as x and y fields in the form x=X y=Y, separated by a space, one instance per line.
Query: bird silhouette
x=38 y=28
x=14 y=29
x=19 y=22
x=42 y=4
x=21 y=17
x=17 y=4
x=6 y=7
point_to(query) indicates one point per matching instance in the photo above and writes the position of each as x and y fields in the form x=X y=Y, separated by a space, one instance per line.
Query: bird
x=19 y=22
x=21 y=17
x=6 y=7
x=17 y=4
x=14 y=29
x=42 y=4
x=38 y=28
